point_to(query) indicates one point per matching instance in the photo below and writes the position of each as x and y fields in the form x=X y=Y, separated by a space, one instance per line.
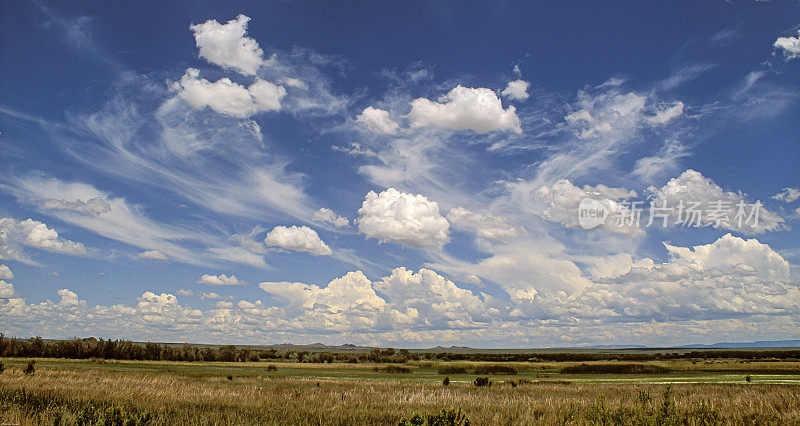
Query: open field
x=164 y=392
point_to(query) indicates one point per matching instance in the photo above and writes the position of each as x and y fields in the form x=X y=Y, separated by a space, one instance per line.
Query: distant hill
x=442 y=348
x=317 y=347
x=617 y=347
x=721 y=345
x=759 y=344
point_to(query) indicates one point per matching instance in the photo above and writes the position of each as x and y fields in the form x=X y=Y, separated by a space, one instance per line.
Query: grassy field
x=160 y=392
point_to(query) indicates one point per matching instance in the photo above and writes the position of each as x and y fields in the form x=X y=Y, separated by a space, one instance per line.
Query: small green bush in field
x=446 y=381
x=439 y=418
x=272 y=368
x=482 y=381
x=2 y=367
x=30 y=369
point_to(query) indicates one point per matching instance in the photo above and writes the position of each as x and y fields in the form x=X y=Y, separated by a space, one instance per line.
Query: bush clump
x=440 y=418
x=496 y=369
x=451 y=369
x=482 y=381
x=392 y=369
x=30 y=369
x=614 y=369
x=272 y=368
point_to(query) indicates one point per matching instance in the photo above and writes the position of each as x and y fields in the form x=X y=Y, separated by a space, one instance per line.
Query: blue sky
x=408 y=176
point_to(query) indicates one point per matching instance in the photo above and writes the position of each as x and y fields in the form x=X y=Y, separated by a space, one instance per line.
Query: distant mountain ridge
x=358 y=348
x=721 y=345
x=439 y=348
x=759 y=344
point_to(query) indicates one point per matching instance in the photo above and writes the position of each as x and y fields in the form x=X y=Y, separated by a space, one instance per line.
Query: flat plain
x=97 y=391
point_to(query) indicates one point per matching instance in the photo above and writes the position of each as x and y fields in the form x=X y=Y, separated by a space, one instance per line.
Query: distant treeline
x=91 y=347
x=128 y=350
x=616 y=356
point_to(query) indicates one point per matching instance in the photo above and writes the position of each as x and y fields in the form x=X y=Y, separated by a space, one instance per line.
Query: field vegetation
x=289 y=390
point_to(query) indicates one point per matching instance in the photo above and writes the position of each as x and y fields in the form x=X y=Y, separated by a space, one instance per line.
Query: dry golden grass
x=178 y=398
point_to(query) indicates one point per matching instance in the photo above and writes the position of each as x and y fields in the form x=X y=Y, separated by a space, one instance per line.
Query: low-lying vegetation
x=392 y=369
x=31 y=367
x=495 y=369
x=482 y=381
x=169 y=393
x=614 y=369
x=451 y=369
x=442 y=417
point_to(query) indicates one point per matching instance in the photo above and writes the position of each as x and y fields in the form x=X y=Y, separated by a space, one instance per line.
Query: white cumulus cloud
x=789 y=45
x=352 y=291
x=221 y=279
x=429 y=298
x=229 y=98
x=407 y=219
x=5 y=273
x=465 y=108
x=516 y=90
x=296 y=238
x=559 y=202
x=733 y=256
x=378 y=121
x=6 y=290
x=697 y=193
x=226 y=45
x=34 y=234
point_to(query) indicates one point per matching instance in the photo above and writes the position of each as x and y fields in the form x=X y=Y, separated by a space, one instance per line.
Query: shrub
x=2 y=367
x=482 y=381
x=496 y=369
x=668 y=407
x=30 y=369
x=272 y=368
x=439 y=418
x=446 y=381
x=614 y=369
x=748 y=378
x=706 y=414
x=392 y=369
x=230 y=377
x=451 y=369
